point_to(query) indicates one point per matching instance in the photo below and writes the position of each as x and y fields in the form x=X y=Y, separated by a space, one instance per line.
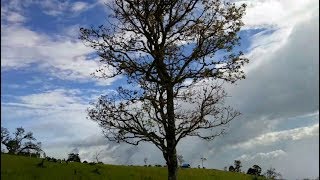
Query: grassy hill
x=19 y=167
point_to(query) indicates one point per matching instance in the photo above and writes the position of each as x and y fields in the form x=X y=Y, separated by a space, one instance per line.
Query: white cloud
x=278 y=18
x=57 y=8
x=14 y=17
x=102 y=2
x=11 y=12
x=58 y=97
x=53 y=7
x=54 y=116
x=285 y=135
x=59 y=56
x=79 y=6
x=261 y=155
x=275 y=13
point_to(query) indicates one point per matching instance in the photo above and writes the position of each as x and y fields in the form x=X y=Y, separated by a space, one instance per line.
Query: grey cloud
x=284 y=85
x=301 y=161
x=89 y=141
x=298 y=160
x=75 y=150
x=288 y=82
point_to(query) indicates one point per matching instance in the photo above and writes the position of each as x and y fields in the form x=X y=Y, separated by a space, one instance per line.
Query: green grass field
x=19 y=167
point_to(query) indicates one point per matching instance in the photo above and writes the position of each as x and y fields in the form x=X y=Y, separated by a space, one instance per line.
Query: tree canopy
x=255 y=170
x=20 y=142
x=73 y=157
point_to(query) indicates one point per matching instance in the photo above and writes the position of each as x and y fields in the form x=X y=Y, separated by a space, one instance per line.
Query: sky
x=46 y=87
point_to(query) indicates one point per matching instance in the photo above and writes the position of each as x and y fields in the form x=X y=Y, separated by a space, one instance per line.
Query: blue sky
x=46 y=86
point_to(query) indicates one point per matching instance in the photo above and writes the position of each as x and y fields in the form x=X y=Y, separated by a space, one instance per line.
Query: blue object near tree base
x=185 y=166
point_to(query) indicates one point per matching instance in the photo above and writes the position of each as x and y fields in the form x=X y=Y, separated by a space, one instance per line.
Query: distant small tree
x=145 y=160
x=96 y=155
x=73 y=157
x=4 y=134
x=271 y=173
x=231 y=168
x=19 y=143
x=257 y=169
x=237 y=166
x=251 y=171
x=180 y=159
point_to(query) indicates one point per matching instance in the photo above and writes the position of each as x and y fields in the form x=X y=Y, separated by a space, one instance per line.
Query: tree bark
x=172 y=165
x=170 y=137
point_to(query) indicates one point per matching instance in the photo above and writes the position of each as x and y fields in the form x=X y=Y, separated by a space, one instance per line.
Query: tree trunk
x=172 y=165
x=171 y=137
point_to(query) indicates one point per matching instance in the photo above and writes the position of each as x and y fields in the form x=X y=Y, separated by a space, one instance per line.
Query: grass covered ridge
x=19 y=167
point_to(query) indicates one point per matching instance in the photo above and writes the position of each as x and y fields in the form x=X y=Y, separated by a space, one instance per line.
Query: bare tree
x=96 y=155
x=271 y=173
x=4 y=134
x=237 y=165
x=166 y=49
x=145 y=160
x=203 y=159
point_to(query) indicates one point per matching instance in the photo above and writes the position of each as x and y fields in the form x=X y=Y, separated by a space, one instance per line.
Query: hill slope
x=19 y=167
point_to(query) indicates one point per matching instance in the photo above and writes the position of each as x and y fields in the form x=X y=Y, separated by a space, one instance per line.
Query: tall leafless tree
x=167 y=49
x=97 y=155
